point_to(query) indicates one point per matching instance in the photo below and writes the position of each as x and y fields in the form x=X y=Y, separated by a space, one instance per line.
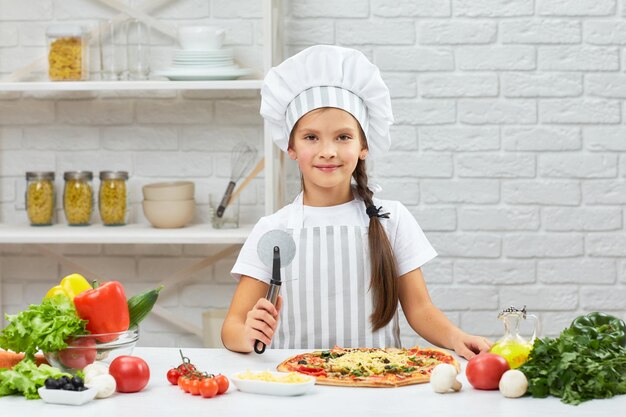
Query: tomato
x=130 y=372
x=209 y=387
x=186 y=368
x=311 y=371
x=183 y=383
x=222 y=383
x=173 y=375
x=484 y=371
x=194 y=387
x=82 y=352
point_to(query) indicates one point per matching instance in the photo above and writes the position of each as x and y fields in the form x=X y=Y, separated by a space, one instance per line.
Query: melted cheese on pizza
x=377 y=362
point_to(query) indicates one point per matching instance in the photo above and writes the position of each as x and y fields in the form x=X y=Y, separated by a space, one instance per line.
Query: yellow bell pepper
x=70 y=286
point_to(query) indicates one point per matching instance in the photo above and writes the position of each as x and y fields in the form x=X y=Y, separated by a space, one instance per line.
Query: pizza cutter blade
x=276 y=249
x=280 y=238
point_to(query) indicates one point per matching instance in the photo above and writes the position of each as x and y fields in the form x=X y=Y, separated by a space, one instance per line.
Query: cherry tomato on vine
x=209 y=387
x=222 y=383
x=173 y=375
x=186 y=368
x=194 y=387
x=183 y=383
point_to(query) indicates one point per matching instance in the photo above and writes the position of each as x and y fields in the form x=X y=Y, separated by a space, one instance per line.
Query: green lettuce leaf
x=25 y=378
x=45 y=326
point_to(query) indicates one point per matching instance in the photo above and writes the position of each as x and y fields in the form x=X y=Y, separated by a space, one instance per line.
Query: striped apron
x=325 y=290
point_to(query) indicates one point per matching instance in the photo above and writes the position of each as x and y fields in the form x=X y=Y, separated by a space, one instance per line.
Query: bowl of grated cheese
x=273 y=383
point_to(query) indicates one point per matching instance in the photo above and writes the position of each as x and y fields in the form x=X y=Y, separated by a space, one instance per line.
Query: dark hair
x=384 y=278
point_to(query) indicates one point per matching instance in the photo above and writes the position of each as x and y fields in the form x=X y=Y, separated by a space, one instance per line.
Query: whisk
x=242 y=157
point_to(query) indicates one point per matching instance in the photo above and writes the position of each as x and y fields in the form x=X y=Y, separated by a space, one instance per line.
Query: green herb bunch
x=576 y=368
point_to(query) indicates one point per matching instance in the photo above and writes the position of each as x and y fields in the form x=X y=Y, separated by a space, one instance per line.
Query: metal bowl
x=86 y=349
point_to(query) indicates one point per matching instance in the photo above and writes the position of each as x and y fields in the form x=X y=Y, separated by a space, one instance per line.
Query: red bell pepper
x=105 y=308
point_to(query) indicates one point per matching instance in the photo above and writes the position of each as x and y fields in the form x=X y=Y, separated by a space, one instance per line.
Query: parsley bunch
x=576 y=368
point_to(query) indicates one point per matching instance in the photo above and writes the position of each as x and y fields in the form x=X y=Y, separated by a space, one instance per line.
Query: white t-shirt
x=410 y=246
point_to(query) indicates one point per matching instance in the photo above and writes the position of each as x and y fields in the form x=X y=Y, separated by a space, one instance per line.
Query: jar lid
x=113 y=175
x=40 y=175
x=64 y=30
x=78 y=175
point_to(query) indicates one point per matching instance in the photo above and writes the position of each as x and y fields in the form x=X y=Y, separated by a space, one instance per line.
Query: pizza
x=369 y=367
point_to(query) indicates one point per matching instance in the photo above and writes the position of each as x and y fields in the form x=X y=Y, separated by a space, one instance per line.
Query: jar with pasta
x=40 y=198
x=78 y=197
x=67 y=53
x=113 y=198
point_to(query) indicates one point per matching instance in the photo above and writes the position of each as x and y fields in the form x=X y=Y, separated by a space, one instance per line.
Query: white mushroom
x=94 y=369
x=105 y=384
x=443 y=378
x=513 y=384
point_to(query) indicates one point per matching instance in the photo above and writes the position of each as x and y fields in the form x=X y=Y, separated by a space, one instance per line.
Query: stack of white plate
x=209 y=59
x=211 y=64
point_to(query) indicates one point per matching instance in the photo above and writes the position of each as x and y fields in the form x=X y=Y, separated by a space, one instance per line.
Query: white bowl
x=169 y=191
x=59 y=396
x=273 y=388
x=200 y=38
x=169 y=214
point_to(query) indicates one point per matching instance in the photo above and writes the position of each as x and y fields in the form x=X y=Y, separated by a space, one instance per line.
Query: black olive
x=302 y=362
x=52 y=383
x=385 y=360
x=81 y=388
x=68 y=387
x=64 y=380
x=77 y=382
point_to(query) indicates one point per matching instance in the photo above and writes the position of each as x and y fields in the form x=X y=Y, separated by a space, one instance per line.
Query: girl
x=357 y=257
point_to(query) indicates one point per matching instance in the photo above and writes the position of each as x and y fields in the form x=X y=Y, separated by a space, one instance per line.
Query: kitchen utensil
x=276 y=249
x=230 y=218
x=242 y=157
x=257 y=169
x=513 y=347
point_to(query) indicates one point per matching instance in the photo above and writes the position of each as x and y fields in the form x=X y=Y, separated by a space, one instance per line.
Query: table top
x=160 y=398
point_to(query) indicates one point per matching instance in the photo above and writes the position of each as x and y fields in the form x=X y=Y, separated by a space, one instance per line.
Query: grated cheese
x=287 y=378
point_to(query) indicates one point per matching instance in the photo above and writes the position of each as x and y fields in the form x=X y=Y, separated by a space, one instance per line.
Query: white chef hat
x=327 y=76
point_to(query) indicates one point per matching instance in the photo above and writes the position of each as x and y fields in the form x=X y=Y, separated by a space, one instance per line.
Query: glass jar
x=113 y=198
x=67 y=53
x=78 y=197
x=40 y=198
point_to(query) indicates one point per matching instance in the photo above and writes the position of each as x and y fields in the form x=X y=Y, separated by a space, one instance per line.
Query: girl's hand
x=468 y=346
x=261 y=321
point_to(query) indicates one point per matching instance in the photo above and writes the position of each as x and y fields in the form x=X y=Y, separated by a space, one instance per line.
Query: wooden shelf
x=129 y=234
x=130 y=85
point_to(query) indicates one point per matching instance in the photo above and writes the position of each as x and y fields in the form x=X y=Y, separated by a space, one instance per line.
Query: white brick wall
x=509 y=148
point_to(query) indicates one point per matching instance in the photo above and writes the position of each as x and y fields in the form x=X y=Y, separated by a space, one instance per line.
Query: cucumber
x=141 y=304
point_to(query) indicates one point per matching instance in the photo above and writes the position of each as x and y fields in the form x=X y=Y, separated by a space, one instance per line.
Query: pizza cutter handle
x=259 y=347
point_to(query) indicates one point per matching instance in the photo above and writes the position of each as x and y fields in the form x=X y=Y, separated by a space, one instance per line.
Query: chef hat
x=327 y=76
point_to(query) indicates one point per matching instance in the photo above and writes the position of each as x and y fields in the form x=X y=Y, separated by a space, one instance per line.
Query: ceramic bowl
x=86 y=349
x=169 y=214
x=200 y=38
x=169 y=191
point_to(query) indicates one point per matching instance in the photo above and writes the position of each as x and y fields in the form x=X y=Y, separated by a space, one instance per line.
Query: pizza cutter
x=276 y=249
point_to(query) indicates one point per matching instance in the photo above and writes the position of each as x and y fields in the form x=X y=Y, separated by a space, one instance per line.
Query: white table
x=162 y=399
